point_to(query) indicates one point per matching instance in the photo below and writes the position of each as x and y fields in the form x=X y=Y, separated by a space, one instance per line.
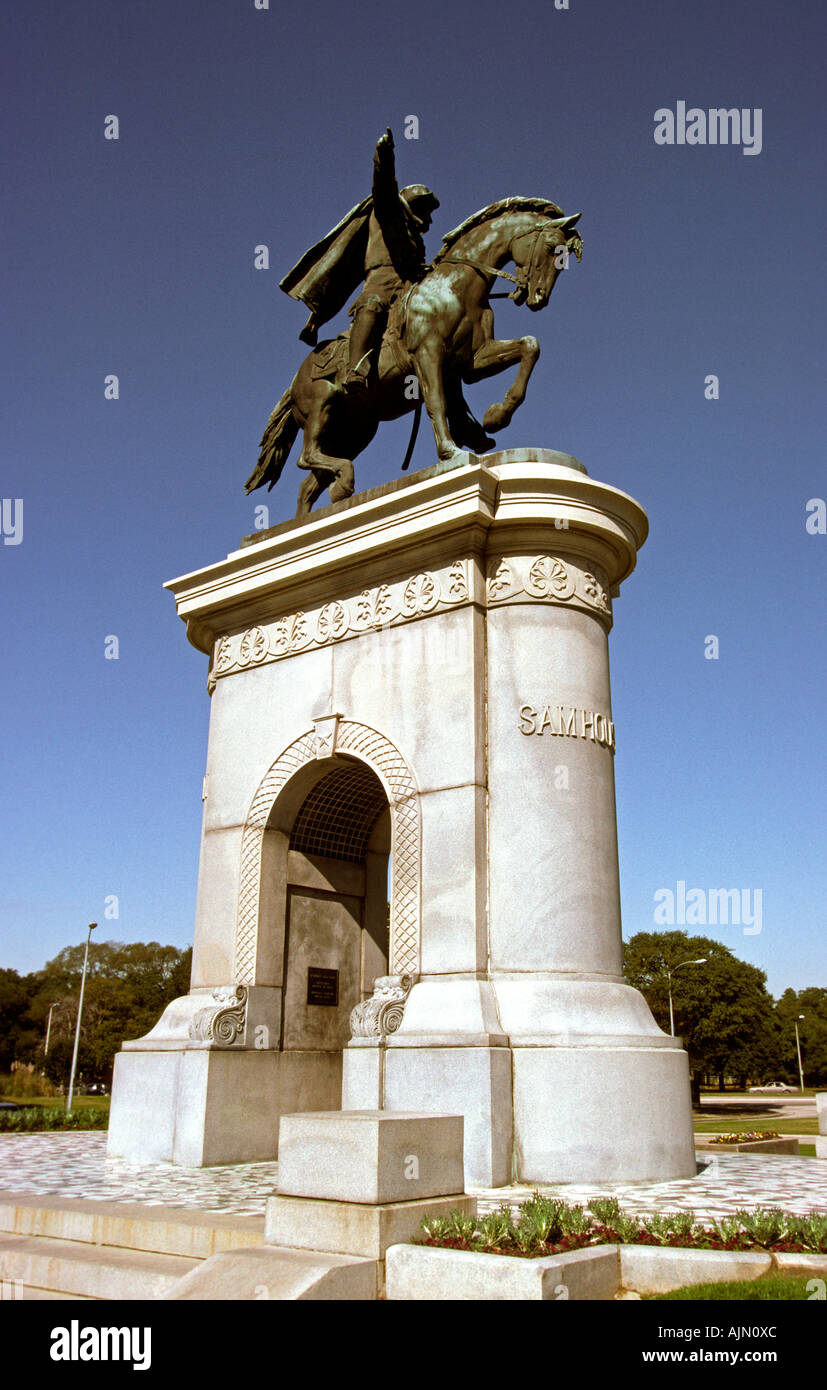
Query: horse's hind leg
x=327 y=469
x=310 y=491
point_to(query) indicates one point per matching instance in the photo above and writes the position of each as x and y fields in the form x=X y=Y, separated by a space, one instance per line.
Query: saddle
x=330 y=358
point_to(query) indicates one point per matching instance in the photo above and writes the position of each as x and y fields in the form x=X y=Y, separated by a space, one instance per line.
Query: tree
x=15 y=995
x=812 y=1030
x=128 y=986
x=723 y=1011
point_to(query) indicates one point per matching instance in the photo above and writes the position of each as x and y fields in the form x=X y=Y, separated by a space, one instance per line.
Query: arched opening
x=322 y=919
x=336 y=909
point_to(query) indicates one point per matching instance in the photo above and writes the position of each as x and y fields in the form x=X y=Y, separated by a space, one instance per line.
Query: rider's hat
x=420 y=199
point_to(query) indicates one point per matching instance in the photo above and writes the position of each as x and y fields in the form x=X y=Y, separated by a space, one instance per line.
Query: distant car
x=773 y=1086
x=9 y=1105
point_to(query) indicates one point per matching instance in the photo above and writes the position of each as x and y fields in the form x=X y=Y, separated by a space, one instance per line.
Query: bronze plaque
x=322 y=986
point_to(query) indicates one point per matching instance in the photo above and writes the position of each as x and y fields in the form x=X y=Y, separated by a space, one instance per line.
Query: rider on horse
x=380 y=241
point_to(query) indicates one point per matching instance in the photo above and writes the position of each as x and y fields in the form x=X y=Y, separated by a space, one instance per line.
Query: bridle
x=523 y=277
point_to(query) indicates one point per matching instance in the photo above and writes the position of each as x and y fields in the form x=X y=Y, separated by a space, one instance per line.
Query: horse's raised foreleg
x=495 y=356
x=429 y=360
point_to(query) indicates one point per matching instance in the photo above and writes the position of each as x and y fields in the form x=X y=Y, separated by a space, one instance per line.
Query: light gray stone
x=267 y=1273
x=821 y=1111
x=366 y=1156
x=652 y=1269
x=588 y=1113
x=800 y=1262
x=352 y=1228
x=474 y=1082
x=821 y=1146
x=202 y=1108
x=429 y=1273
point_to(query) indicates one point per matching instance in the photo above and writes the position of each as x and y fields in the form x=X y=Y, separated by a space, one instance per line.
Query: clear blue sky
x=240 y=127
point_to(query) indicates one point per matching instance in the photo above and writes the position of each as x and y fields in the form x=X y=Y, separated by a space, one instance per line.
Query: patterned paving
x=75 y=1165
x=725 y=1183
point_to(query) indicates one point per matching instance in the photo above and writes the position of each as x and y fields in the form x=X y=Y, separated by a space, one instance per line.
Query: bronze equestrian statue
x=414 y=329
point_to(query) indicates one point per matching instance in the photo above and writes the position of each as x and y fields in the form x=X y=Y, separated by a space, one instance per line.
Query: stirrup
x=355 y=381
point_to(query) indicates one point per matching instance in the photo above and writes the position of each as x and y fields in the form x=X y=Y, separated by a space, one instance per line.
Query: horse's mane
x=514 y=204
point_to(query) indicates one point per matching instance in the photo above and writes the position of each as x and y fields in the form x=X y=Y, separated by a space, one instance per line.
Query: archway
x=265 y=843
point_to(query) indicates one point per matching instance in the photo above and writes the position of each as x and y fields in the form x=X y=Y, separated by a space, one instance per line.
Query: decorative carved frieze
x=386 y=604
x=547 y=579
x=382 y=1013
x=535 y=578
x=222 y=1022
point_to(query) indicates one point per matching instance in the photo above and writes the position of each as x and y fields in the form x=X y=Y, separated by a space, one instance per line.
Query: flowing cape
x=331 y=270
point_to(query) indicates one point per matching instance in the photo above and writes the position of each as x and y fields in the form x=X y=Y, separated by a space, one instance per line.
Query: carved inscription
x=566 y=721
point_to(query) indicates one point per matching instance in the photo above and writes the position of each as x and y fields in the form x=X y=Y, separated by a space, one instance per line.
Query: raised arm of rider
x=385 y=191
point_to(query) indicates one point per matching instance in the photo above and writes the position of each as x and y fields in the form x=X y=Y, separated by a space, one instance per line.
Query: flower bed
x=547 y=1226
x=750 y=1136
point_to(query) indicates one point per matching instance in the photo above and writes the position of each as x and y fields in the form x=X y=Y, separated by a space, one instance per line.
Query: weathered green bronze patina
x=417 y=332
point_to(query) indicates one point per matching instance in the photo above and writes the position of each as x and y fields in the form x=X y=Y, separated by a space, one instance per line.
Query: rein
x=478 y=265
x=519 y=280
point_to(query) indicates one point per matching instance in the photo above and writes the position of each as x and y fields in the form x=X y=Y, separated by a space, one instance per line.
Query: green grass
x=772 y=1288
x=724 y=1124
x=54 y=1102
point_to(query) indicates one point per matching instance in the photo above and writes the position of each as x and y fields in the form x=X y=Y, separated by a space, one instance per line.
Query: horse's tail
x=276 y=443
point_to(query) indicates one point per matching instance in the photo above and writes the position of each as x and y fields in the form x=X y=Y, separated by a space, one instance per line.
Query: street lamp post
x=92 y=926
x=798 y=1050
x=48 y=1031
x=670 y=973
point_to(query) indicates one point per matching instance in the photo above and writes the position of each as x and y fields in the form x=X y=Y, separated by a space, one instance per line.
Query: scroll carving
x=383 y=1012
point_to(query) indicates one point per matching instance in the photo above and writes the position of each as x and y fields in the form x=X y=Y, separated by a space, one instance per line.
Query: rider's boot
x=364 y=331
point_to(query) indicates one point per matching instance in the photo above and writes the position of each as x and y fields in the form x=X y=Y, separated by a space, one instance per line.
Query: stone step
x=129 y=1225
x=91 y=1271
x=29 y=1294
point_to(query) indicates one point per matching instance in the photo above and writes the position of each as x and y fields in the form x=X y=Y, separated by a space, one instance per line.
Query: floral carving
x=549 y=576
x=374 y=606
x=457 y=582
x=253 y=647
x=421 y=594
x=499 y=580
x=290 y=633
x=596 y=593
x=332 y=623
x=223 y=656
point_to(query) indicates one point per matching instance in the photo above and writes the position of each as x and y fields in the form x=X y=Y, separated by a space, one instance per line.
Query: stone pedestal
x=357 y=1182
x=821 y=1111
x=433 y=656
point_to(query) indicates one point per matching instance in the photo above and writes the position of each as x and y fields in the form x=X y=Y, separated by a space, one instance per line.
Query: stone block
x=801 y=1262
x=428 y=1273
x=202 y=1108
x=599 y=1114
x=370 y=1156
x=472 y=1081
x=821 y=1146
x=352 y=1228
x=821 y=1111
x=282 y=1276
x=653 y=1269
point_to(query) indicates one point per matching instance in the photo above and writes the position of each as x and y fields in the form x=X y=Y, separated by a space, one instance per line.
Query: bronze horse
x=440 y=334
